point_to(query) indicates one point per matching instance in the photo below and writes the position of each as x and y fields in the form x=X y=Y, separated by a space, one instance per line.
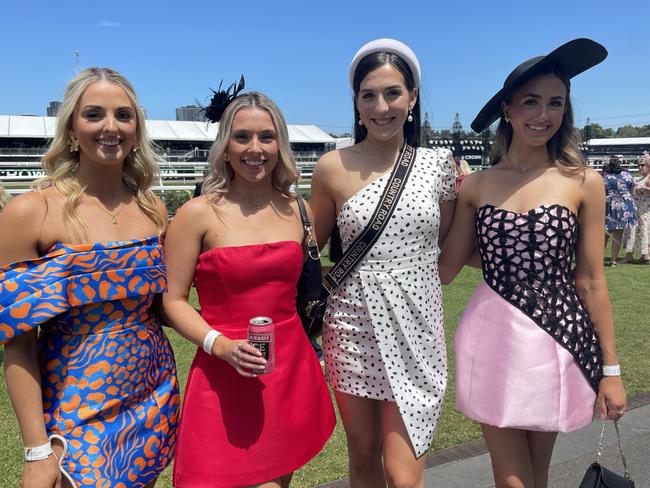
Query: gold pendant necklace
x=113 y=215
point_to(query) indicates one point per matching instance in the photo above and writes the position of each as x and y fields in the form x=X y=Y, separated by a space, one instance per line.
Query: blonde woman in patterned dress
x=89 y=371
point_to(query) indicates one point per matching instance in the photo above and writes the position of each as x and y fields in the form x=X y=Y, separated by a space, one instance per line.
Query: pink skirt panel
x=511 y=373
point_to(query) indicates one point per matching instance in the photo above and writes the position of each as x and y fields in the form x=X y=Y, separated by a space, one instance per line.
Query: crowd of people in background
x=636 y=238
x=86 y=291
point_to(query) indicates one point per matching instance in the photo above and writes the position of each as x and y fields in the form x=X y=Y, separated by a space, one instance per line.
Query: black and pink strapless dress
x=527 y=354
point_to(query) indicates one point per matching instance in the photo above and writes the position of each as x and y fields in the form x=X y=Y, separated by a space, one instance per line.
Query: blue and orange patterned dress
x=108 y=374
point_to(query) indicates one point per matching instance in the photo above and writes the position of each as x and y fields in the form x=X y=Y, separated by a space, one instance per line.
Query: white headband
x=388 y=46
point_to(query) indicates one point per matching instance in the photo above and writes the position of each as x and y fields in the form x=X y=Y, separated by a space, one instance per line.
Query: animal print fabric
x=108 y=374
x=383 y=331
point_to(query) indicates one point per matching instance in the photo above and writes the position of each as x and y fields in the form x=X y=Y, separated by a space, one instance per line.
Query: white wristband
x=613 y=370
x=208 y=342
x=38 y=453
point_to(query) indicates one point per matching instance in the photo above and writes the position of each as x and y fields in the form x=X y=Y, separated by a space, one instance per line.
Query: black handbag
x=312 y=296
x=597 y=476
x=311 y=299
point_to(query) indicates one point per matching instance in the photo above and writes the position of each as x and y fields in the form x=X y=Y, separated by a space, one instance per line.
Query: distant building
x=191 y=113
x=53 y=109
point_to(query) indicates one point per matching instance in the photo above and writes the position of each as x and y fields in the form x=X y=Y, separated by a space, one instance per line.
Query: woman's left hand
x=611 y=400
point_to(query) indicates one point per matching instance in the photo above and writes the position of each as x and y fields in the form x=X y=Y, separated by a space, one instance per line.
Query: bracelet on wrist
x=38 y=453
x=612 y=370
x=209 y=339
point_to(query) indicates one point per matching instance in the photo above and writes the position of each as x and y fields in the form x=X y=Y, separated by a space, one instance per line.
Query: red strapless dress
x=240 y=431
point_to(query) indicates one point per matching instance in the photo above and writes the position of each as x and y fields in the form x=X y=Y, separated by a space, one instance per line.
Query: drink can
x=261 y=335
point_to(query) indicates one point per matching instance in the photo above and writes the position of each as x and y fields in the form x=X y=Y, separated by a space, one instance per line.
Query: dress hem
x=254 y=480
x=534 y=428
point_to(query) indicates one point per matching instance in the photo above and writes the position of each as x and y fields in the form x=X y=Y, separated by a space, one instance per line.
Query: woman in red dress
x=240 y=243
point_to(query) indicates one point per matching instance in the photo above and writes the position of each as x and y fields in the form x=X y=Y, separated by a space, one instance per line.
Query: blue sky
x=298 y=52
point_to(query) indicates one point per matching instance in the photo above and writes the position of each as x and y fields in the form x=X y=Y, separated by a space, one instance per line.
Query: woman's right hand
x=42 y=474
x=246 y=359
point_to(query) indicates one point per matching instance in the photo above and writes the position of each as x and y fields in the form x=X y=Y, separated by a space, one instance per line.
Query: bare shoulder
x=591 y=190
x=477 y=187
x=328 y=163
x=195 y=209
x=20 y=227
x=475 y=180
x=329 y=172
x=476 y=177
x=27 y=209
x=592 y=179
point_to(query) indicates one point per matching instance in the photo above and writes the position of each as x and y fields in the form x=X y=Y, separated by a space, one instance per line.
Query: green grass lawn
x=629 y=286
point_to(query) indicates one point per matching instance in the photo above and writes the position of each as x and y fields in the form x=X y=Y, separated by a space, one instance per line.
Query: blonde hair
x=60 y=164
x=464 y=167
x=562 y=147
x=220 y=174
x=3 y=197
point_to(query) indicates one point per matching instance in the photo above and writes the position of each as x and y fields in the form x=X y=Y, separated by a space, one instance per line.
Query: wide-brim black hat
x=571 y=59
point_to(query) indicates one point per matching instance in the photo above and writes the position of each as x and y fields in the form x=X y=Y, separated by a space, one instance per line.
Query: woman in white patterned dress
x=383 y=333
x=637 y=238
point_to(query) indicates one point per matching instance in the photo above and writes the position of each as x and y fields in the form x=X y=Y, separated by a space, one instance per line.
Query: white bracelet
x=38 y=453
x=612 y=370
x=208 y=342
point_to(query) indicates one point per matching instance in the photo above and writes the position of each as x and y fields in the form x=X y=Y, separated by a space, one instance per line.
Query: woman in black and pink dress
x=535 y=347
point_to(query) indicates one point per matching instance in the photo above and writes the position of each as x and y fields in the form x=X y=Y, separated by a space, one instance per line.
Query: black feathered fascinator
x=221 y=99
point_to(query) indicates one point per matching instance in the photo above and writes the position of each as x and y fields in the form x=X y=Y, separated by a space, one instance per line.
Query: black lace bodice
x=526 y=258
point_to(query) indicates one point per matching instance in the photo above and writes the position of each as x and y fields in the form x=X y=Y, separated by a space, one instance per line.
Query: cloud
x=108 y=24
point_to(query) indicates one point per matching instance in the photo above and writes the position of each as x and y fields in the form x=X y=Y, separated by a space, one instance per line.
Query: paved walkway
x=468 y=465
x=573 y=453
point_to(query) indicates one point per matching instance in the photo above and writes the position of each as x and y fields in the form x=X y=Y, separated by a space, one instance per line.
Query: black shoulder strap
x=385 y=208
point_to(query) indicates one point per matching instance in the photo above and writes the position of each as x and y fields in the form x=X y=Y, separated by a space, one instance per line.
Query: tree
x=627 y=131
x=599 y=133
x=644 y=131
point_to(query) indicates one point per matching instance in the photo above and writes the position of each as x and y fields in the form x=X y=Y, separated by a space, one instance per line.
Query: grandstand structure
x=183 y=147
x=628 y=149
x=476 y=151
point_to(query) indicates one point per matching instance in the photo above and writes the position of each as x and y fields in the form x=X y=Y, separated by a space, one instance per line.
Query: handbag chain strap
x=599 y=452
x=308 y=238
x=384 y=210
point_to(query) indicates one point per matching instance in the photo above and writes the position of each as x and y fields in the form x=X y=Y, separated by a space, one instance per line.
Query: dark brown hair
x=371 y=63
